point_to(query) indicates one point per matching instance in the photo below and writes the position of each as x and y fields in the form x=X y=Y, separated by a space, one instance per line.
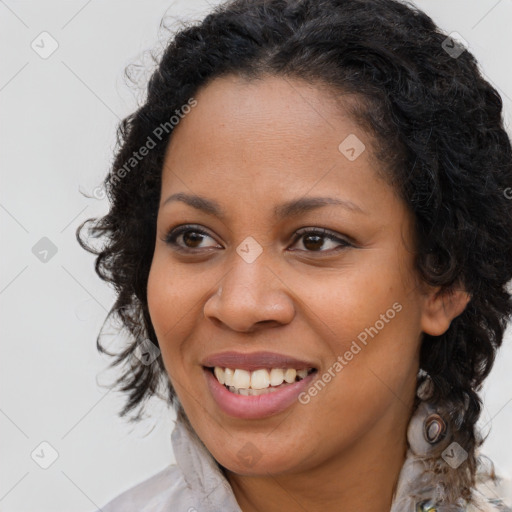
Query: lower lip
x=258 y=406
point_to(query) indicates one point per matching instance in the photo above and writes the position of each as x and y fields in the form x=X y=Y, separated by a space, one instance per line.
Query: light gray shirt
x=197 y=484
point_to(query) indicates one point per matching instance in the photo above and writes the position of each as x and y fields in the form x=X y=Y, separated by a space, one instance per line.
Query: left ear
x=440 y=308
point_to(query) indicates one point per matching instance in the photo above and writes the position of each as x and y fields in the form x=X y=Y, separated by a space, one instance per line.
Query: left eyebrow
x=306 y=204
x=282 y=211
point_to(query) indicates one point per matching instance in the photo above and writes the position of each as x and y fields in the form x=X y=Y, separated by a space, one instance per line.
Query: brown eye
x=191 y=238
x=314 y=240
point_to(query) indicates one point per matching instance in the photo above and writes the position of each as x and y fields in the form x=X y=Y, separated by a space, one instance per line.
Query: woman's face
x=251 y=292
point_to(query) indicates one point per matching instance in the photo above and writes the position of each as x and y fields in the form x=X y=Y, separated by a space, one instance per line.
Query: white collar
x=417 y=484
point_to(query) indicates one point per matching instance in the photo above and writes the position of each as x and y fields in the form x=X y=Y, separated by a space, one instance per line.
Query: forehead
x=284 y=113
x=263 y=140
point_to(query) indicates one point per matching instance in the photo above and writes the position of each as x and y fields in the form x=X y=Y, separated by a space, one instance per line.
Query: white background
x=57 y=134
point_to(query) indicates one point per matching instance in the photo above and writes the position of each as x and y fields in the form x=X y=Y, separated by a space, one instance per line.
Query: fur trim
x=435 y=476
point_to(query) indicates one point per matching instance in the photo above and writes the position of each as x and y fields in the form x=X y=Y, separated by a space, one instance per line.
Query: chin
x=262 y=465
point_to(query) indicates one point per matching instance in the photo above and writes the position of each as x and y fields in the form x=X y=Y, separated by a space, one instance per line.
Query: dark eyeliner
x=324 y=233
x=171 y=237
x=173 y=234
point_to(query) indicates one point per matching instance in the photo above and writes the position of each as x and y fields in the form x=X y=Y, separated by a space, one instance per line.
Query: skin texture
x=250 y=146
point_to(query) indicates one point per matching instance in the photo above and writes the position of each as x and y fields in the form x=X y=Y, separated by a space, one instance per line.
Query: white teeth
x=228 y=376
x=251 y=392
x=241 y=379
x=260 y=379
x=219 y=373
x=276 y=376
x=289 y=375
x=302 y=373
x=254 y=392
x=254 y=383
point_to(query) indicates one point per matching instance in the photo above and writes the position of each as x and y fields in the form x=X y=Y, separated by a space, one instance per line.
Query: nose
x=250 y=296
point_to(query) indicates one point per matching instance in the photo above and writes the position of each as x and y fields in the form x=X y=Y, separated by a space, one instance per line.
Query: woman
x=309 y=237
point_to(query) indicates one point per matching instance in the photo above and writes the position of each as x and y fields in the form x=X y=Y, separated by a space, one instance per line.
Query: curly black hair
x=439 y=133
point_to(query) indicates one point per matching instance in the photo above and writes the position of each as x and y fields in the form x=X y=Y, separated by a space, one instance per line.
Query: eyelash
x=173 y=234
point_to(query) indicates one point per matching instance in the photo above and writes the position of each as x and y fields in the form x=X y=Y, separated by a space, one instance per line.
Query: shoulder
x=154 y=494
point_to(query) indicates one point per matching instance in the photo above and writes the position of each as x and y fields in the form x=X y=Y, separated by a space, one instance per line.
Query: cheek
x=344 y=304
x=160 y=297
x=379 y=356
x=172 y=300
x=370 y=319
x=173 y=292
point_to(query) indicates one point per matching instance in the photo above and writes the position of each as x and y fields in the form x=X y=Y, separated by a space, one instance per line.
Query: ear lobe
x=441 y=308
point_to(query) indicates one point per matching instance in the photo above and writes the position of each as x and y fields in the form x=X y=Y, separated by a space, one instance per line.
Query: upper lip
x=254 y=361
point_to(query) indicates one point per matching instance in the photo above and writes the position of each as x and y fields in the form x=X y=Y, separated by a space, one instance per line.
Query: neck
x=363 y=477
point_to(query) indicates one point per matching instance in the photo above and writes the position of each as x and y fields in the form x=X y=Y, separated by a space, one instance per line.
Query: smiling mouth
x=260 y=381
